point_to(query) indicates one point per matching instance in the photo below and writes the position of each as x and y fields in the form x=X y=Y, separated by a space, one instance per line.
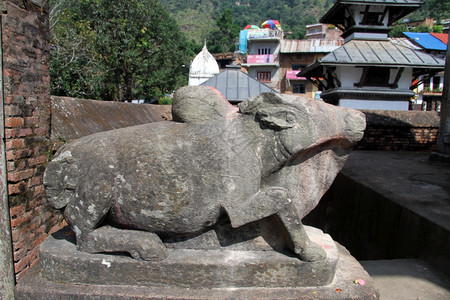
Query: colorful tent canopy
x=249 y=26
x=271 y=24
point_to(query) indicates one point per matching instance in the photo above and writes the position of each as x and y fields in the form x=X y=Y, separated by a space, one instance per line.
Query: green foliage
x=437 y=10
x=116 y=50
x=165 y=101
x=226 y=36
x=438 y=28
x=292 y=14
x=397 y=30
x=422 y=28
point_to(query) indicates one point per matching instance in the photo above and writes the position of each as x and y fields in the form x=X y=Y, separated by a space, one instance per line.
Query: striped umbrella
x=251 y=27
x=271 y=24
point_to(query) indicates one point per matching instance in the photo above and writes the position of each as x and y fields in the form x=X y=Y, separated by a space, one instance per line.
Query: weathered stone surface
x=74 y=118
x=214 y=268
x=276 y=156
x=33 y=286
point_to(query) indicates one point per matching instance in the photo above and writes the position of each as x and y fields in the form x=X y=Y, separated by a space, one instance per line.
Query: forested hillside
x=197 y=18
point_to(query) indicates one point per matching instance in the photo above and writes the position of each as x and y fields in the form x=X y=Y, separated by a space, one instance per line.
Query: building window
x=371 y=18
x=436 y=82
x=299 y=88
x=297 y=67
x=426 y=84
x=263 y=76
x=264 y=51
x=374 y=76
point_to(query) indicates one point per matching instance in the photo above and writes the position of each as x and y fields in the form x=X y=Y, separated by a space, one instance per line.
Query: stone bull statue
x=124 y=190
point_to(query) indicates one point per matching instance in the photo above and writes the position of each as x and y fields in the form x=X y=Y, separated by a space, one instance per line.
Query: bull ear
x=276 y=117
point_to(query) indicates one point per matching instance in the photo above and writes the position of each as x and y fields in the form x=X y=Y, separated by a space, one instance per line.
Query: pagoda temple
x=369 y=71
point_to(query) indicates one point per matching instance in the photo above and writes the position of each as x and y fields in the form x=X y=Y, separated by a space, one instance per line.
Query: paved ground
x=403 y=279
x=412 y=181
x=407 y=178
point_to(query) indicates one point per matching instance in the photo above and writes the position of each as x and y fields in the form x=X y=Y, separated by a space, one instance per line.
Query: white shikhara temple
x=203 y=67
x=369 y=71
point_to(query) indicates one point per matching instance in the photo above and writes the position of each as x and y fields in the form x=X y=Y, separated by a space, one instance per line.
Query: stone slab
x=224 y=268
x=34 y=286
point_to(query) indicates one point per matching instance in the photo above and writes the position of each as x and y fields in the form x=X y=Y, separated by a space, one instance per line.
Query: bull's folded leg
x=275 y=201
x=139 y=244
x=303 y=246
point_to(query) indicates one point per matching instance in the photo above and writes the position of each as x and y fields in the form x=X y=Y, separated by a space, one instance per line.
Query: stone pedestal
x=65 y=273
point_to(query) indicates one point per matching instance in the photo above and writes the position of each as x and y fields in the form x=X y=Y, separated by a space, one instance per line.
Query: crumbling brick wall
x=25 y=39
x=400 y=131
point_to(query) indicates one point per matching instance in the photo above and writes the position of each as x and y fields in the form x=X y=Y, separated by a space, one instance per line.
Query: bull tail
x=60 y=180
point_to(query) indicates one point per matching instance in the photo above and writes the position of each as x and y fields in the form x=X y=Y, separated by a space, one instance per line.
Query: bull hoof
x=312 y=253
x=151 y=248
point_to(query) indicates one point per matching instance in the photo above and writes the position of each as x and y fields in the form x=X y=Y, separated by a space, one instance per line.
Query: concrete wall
x=400 y=131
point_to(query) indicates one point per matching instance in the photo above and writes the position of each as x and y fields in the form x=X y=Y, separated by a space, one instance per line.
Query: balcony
x=264 y=34
x=260 y=60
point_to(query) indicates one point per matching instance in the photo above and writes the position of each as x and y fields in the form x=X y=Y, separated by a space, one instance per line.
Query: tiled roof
x=426 y=40
x=237 y=86
x=310 y=46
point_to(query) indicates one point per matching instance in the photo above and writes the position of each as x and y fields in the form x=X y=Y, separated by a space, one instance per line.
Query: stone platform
x=65 y=273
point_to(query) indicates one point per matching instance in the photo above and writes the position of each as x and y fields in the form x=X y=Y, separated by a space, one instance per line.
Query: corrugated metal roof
x=374 y=53
x=426 y=40
x=405 y=42
x=308 y=46
x=443 y=37
x=237 y=86
x=379 y=53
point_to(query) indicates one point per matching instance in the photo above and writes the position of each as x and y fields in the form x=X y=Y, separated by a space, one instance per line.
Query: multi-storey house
x=262 y=60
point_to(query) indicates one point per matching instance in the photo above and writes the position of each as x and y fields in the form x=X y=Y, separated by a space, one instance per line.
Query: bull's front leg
x=275 y=201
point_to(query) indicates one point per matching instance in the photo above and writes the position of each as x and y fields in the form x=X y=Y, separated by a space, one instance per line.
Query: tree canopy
x=115 y=50
x=198 y=19
x=223 y=39
x=292 y=14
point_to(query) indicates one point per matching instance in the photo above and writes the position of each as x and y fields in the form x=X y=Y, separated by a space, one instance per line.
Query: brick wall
x=25 y=39
x=400 y=131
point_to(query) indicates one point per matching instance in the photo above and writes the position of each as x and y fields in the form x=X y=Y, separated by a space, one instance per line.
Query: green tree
x=225 y=37
x=132 y=49
x=74 y=65
x=438 y=9
x=397 y=30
